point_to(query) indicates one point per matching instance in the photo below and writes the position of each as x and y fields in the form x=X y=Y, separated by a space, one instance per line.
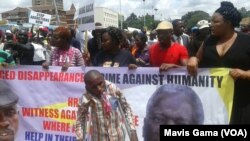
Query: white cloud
x=166 y=8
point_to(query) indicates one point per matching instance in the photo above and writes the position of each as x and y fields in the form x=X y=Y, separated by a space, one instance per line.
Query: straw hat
x=164 y=25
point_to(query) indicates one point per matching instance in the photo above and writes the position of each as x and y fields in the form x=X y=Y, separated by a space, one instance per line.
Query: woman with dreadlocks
x=230 y=49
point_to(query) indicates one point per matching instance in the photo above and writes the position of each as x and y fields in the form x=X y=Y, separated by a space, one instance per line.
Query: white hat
x=202 y=24
x=8 y=31
x=164 y=25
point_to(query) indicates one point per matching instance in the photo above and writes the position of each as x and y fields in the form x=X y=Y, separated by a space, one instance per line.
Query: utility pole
x=57 y=16
x=155 y=13
x=144 y=12
x=121 y=19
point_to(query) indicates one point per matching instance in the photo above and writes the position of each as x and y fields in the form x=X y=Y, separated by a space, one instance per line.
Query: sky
x=162 y=9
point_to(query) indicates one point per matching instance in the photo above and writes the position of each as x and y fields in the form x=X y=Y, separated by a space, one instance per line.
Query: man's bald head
x=90 y=75
x=94 y=83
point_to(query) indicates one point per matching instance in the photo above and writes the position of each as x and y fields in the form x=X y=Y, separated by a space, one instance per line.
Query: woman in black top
x=229 y=49
x=112 y=55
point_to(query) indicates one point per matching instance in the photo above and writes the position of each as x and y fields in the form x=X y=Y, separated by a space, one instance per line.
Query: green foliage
x=247 y=14
x=244 y=12
x=138 y=22
x=191 y=18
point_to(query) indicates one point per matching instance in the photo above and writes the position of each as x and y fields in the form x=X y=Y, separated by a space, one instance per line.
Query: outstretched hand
x=192 y=65
x=45 y=65
x=165 y=67
x=132 y=66
x=238 y=73
x=4 y=65
x=86 y=58
x=65 y=66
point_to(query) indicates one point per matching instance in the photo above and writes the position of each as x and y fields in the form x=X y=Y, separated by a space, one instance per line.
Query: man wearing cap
x=8 y=115
x=166 y=53
x=245 y=25
x=203 y=33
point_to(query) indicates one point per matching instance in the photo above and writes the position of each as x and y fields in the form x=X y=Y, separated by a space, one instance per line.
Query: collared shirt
x=178 y=39
x=93 y=122
x=182 y=40
x=172 y=55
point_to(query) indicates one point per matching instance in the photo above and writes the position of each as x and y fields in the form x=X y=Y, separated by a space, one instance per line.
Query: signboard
x=38 y=18
x=4 y=22
x=86 y=20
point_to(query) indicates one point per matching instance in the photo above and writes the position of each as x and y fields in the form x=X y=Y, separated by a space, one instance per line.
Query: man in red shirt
x=166 y=53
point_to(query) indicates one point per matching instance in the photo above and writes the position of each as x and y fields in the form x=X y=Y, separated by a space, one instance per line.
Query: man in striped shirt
x=103 y=112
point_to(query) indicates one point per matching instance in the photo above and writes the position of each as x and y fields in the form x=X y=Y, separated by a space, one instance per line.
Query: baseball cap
x=164 y=25
x=7 y=98
x=202 y=24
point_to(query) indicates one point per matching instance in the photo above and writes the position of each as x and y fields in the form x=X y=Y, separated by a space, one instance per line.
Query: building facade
x=70 y=16
x=58 y=3
x=58 y=17
x=20 y=15
x=52 y=7
x=66 y=18
x=106 y=16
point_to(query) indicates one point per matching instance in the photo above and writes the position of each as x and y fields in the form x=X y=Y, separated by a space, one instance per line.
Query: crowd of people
x=209 y=45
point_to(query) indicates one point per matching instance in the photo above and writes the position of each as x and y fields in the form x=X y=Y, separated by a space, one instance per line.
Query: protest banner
x=213 y=86
x=49 y=99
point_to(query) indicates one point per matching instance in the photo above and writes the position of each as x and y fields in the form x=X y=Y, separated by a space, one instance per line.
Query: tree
x=132 y=21
x=138 y=22
x=244 y=13
x=191 y=18
x=248 y=13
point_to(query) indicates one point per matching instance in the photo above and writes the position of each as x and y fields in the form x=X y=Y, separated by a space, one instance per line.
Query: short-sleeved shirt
x=172 y=55
x=121 y=59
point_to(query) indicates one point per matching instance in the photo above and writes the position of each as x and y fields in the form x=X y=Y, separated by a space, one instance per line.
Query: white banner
x=49 y=99
x=213 y=86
